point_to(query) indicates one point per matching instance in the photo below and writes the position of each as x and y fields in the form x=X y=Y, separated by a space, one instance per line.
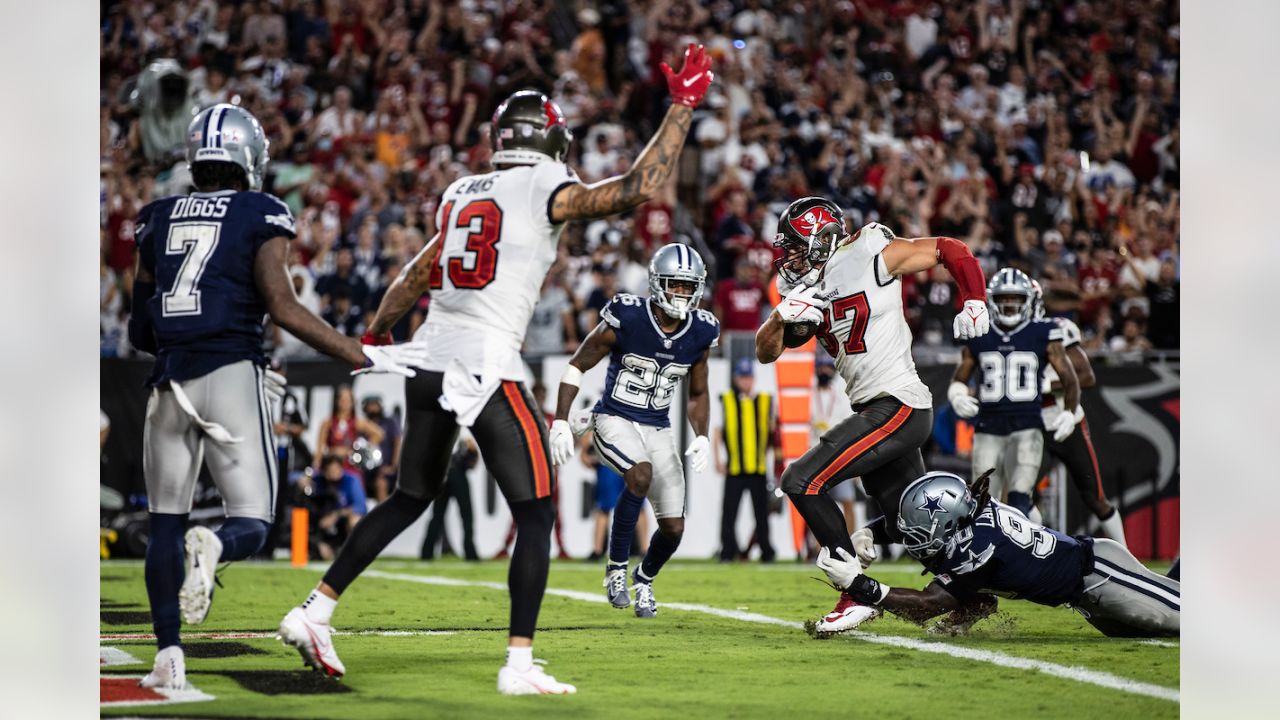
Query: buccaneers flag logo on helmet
x=813 y=220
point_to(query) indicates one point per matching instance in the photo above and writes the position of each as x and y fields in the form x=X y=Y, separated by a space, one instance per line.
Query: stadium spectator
x=337 y=502
x=339 y=431
x=933 y=118
x=383 y=478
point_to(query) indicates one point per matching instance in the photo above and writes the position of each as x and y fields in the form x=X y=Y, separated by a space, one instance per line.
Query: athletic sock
x=164 y=572
x=530 y=562
x=825 y=520
x=661 y=548
x=520 y=658
x=1034 y=515
x=371 y=536
x=625 y=516
x=1113 y=526
x=242 y=537
x=1020 y=501
x=319 y=607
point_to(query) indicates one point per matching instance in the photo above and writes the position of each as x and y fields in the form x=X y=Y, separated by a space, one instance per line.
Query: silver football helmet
x=226 y=133
x=1010 y=297
x=932 y=509
x=676 y=263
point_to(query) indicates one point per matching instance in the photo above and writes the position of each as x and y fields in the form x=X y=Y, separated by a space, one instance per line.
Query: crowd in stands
x=1044 y=134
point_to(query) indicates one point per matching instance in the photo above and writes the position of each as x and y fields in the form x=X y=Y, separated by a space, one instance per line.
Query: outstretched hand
x=688 y=86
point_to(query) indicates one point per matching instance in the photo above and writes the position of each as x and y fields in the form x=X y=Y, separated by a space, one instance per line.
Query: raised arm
x=405 y=290
x=654 y=165
x=1080 y=363
x=1066 y=375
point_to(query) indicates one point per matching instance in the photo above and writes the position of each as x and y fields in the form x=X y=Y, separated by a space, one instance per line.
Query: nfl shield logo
x=666 y=343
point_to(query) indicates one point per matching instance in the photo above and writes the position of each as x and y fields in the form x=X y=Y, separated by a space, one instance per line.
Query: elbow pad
x=141 y=334
x=963 y=266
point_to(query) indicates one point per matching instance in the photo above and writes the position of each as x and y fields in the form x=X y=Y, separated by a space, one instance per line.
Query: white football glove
x=561 y=442
x=965 y=405
x=1065 y=424
x=864 y=545
x=802 y=305
x=398 y=359
x=842 y=570
x=972 y=321
x=580 y=422
x=697 y=453
x=273 y=383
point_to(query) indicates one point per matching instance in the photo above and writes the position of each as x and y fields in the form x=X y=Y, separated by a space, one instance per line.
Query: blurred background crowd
x=1043 y=134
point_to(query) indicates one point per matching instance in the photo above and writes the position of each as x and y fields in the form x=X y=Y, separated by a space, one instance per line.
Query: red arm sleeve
x=963 y=266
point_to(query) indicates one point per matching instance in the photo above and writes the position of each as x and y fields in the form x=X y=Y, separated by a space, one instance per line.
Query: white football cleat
x=533 y=681
x=313 y=641
x=204 y=549
x=847 y=615
x=169 y=671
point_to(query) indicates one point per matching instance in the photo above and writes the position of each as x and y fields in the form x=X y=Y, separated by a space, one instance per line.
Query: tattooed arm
x=408 y=286
x=646 y=176
x=651 y=170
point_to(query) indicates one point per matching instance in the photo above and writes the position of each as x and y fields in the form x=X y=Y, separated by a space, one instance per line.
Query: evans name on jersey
x=201 y=248
x=646 y=364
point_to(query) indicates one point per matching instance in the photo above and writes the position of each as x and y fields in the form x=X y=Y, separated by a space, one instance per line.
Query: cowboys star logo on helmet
x=932 y=505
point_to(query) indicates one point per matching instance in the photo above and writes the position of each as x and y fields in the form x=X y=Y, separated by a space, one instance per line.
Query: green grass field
x=688 y=662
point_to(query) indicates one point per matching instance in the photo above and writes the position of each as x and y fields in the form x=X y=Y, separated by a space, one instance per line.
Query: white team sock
x=1035 y=516
x=520 y=658
x=319 y=607
x=1113 y=526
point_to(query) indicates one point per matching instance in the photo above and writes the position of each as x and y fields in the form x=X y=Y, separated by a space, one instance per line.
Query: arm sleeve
x=963 y=266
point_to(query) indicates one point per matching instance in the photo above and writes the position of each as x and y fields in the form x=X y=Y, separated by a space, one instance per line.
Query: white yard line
x=233 y=635
x=1078 y=674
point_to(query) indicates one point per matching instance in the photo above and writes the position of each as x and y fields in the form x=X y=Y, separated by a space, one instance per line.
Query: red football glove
x=370 y=339
x=689 y=85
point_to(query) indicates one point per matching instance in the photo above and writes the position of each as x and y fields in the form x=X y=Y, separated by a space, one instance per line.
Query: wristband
x=370 y=339
x=867 y=591
x=572 y=376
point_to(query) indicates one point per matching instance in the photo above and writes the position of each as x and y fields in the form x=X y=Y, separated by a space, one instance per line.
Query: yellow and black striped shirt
x=746 y=431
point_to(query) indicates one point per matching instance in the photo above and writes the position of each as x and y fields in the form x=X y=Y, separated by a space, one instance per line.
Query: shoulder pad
x=707 y=317
x=1070 y=331
x=619 y=306
x=274 y=211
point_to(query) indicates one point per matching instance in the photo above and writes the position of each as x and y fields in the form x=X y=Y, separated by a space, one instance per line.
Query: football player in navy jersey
x=1010 y=361
x=652 y=343
x=976 y=546
x=211 y=265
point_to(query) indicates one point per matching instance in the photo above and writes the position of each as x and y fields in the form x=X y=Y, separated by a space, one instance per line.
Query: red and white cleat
x=847 y=615
x=533 y=681
x=313 y=641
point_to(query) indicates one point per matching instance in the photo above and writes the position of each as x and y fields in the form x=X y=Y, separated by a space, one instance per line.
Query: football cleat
x=847 y=615
x=169 y=671
x=313 y=641
x=196 y=596
x=959 y=621
x=646 y=603
x=534 y=681
x=615 y=586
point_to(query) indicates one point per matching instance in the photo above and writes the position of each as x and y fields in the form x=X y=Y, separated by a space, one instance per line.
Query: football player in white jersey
x=1076 y=453
x=496 y=239
x=847 y=286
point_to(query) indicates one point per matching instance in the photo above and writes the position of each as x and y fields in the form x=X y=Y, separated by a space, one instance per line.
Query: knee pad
x=792 y=483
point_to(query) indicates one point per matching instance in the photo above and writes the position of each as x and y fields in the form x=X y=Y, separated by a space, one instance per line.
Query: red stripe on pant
x=1093 y=456
x=529 y=426
x=856 y=450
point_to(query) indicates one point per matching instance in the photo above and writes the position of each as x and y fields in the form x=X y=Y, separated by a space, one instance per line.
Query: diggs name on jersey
x=646 y=364
x=1009 y=369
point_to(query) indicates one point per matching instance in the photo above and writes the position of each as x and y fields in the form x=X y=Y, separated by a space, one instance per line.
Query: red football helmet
x=808 y=231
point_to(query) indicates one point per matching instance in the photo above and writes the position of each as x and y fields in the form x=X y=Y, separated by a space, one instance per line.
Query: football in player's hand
x=796 y=334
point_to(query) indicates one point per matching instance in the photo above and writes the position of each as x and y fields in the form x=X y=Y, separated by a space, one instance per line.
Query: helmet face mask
x=1011 y=298
x=808 y=232
x=677 y=279
x=932 y=510
x=229 y=134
